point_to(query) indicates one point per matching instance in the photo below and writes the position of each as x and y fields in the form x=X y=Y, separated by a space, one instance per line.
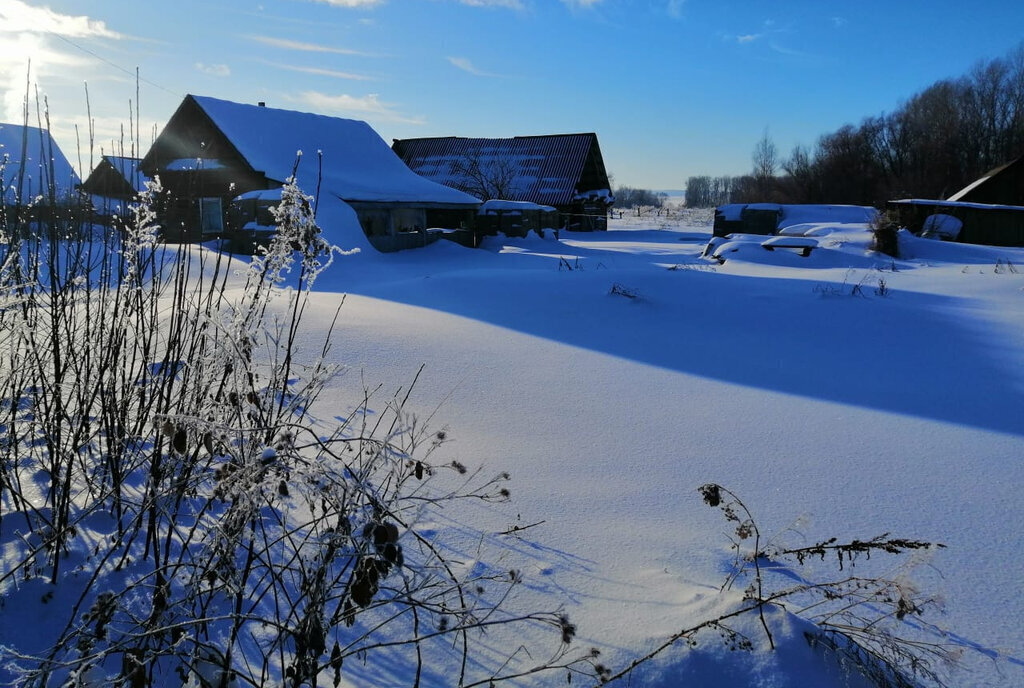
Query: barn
x=565 y=171
x=213 y=151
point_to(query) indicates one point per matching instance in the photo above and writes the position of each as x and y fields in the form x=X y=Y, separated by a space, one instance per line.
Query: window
x=211 y=216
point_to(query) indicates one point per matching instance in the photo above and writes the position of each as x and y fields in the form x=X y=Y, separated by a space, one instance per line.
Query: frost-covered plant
x=165 y=476
x=873 y=624
x=885 y=232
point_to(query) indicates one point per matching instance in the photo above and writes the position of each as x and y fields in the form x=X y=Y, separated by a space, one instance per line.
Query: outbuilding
x=114 y=183
x=989 y=210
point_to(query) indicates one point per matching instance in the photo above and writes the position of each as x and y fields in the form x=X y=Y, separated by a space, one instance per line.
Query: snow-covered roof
x=129 y=169
x=39 y=148
x=956 y=204
x=357 y=163
x=977 y=190
x=541 y=169
x=261 y=195
x=496 y=205
x=800 y=213
x=190 y=164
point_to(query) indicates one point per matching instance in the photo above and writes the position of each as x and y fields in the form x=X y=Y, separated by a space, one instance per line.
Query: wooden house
x=565 y=171
x=32 y=167
x=213 y=151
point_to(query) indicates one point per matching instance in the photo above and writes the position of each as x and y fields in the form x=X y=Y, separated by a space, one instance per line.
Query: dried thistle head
x=711 y=493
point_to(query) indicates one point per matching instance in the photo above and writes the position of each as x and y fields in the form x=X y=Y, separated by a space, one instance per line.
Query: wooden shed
x=978 y=223
x=564 y=171
x=213 y=151
x=1002 y=186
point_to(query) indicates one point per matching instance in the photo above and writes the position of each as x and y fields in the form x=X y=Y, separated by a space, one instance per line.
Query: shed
x=980 y=223
x=213 y=150
x=515 y=218
x=1002 y=186
x=565 y=171
x=769 y=218
x=113 y=183
x=32 y=166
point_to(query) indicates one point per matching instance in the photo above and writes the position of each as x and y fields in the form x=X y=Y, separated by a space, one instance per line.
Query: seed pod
x=180 y=441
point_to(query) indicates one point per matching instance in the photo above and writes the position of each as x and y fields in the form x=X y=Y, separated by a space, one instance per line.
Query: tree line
x=931 y=146
x=629 y=197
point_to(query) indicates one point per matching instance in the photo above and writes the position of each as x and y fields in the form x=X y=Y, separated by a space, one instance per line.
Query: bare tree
x=486 y=176
x=766 y=160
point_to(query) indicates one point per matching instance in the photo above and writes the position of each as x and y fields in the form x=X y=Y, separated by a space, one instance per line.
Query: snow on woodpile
x=357 y=164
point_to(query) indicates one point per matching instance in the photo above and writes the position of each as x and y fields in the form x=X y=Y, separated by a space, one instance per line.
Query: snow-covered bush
x=173 y=507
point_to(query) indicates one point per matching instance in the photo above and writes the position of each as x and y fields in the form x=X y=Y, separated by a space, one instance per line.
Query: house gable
x=115 y=177
x=191 y=136
x=354 y=164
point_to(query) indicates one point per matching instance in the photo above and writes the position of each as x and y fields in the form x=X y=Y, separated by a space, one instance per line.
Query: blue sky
x=673 y=88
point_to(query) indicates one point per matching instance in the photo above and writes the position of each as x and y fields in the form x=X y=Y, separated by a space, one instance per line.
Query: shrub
x=885 y=229
x=161 y=441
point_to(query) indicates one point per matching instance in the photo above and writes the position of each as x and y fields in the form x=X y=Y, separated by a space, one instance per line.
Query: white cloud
x=749 y=38
x=581 y=3
x=305 y=47
x=320 y=71
x=511 y=4
x=838 y=22
x=20 y=17
x=465 y=65
x=783 y=50
x=369 y=106
x=27 y=34
x=351 y=3
x=214 y=69
x=675 y=8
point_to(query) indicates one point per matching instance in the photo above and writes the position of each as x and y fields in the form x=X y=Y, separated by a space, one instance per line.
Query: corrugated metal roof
x=544 y=169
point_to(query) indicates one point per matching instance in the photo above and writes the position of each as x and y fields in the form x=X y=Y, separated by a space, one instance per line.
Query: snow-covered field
x=842 y=394
x=611 y=374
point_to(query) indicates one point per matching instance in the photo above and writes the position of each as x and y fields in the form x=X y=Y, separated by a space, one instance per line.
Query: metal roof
x=546 y=169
